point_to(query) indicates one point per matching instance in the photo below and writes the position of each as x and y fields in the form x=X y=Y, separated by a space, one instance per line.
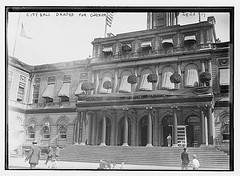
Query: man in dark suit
x=49 y=154
x=33 y=156
x=185 y=159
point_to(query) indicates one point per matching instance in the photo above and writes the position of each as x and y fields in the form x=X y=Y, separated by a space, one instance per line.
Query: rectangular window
x=21 y=88
x=20 y=94
x=224 y=76
x=224 y=79
x=36 y=93
x=48 y=94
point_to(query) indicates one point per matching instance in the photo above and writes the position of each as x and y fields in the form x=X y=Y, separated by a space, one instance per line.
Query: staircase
x=209 y=157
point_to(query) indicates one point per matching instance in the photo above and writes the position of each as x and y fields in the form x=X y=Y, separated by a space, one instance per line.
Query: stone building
x=147 y=84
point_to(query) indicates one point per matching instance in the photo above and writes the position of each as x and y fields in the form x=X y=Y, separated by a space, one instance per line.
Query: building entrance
x=193 y=131
x=167 y=128
x=143 y=131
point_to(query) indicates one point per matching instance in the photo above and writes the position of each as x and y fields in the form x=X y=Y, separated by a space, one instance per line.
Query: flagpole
x=16 y=35
x=105 y=32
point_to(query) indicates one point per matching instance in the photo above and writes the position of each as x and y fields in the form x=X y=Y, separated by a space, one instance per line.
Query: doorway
x=167 y=123
x=193 y=131
x=143 y=131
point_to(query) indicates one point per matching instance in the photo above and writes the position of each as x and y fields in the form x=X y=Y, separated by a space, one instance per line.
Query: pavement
x=17 y=163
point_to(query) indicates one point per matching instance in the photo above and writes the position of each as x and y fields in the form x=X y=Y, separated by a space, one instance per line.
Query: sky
x=61 y=37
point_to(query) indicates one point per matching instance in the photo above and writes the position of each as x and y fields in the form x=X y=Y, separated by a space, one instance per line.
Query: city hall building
x=135 y=90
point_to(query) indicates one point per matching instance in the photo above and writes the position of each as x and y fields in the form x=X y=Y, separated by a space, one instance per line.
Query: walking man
x=169 y=140
x=33 y=156
x=57 y=152
x=185 y=159
x=49 y=154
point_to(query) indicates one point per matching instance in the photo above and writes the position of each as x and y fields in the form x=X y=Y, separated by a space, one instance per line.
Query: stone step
x=209 y=157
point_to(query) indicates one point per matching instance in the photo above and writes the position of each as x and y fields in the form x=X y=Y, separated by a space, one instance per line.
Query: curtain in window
x=166 y=74
x=224 y=76
x=191 y=76
x=49 y=91
x=124 y=86
x=102 y=90
x=65 y=90
x=145 y=85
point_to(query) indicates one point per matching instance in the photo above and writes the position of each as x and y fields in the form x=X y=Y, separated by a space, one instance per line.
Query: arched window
x=46 y=132
x=102 y=89
x=191 y=75
x=31 y=132
x=166 y=74
x=63 y=131
x=225 y=131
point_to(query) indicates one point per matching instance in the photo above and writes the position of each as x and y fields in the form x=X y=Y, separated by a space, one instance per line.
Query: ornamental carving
x=51 y=79
x=223 y=62
x=83 y=76
x=67 y=78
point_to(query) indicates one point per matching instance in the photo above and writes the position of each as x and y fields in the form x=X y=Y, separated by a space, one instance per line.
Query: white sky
x=58 y=38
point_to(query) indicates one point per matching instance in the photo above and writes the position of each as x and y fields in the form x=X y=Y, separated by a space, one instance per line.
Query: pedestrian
x=195 y=162
x=57 y=152
x=33 y=155
x=53 y=164
x=169 y=140
x=49 y=154
x=185 y=159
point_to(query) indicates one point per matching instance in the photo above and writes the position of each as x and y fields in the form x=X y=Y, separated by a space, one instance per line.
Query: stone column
x=203 y=69
x=179 y=72
x=182 y=79
x=210 y=71
x=206 y=130
x=94 y=129
x=211 y=125
x=112 y=135
x=175 y=127
x=83 y=130
x=77 y=128
x=156 y=84
x=115 y=82
x=149 y=139
x=97 y=83
x=135 y=85
x=125 y=137
x=104 y=126
x=203 y=125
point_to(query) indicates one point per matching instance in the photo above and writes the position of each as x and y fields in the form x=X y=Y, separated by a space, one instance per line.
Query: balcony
x=162 y=52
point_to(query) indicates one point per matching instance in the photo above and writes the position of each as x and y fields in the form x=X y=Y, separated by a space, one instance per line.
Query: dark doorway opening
x=167 y=123
x=143 y=131
x=193 y=131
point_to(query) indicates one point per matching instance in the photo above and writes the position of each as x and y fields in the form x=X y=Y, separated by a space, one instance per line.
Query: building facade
x=145 y=85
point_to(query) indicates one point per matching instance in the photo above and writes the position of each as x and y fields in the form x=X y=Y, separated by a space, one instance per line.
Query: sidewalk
x=18 y=163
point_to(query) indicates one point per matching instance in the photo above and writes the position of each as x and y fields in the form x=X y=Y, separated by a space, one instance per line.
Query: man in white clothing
x=195 y=162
